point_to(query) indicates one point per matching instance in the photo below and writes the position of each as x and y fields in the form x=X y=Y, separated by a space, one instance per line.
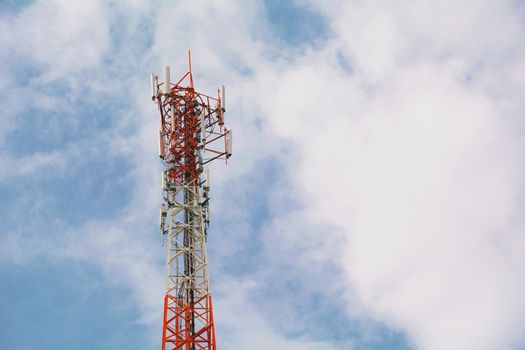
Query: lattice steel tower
x=192 y=134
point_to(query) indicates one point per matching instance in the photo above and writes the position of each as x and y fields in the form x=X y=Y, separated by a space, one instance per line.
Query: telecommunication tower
x=192 y=134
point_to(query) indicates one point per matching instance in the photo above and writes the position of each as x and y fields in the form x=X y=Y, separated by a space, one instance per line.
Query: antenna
x=203 y=127
x=229 y=141
x=223 y=98
x=153 y=87
x=167 y=84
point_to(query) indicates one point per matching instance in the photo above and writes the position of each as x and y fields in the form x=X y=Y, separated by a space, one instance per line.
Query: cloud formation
x=418 y=158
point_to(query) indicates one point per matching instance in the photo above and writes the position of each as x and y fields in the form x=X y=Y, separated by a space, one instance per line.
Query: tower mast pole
x=192 y=134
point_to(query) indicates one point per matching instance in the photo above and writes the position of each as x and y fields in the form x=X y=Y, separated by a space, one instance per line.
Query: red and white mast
x=192 y=134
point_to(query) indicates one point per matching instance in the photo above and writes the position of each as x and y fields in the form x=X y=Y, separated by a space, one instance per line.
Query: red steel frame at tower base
x=192 y=134
x=181 y=338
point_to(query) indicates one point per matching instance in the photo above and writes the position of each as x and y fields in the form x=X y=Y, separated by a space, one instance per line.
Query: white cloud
x=26 y=166
x=420 y=167
x=61 y=37
x=242 y=327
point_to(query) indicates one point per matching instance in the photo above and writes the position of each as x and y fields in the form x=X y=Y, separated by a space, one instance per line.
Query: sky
x=373 y=201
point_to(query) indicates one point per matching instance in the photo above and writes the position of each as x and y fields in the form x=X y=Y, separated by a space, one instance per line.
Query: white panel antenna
x=223 y=98
x=203 y=127
x=162 y=145
x=153 y=87
x=228 y=143
x=167 y=83
x=162 y=216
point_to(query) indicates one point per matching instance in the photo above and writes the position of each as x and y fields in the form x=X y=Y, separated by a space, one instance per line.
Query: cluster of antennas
x=191 y=134
x=210 y=113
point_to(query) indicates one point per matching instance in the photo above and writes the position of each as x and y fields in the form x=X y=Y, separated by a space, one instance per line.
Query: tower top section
x=192 y=129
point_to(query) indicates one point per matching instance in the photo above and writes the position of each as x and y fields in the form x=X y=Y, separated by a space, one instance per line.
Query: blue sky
x=373 y=200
